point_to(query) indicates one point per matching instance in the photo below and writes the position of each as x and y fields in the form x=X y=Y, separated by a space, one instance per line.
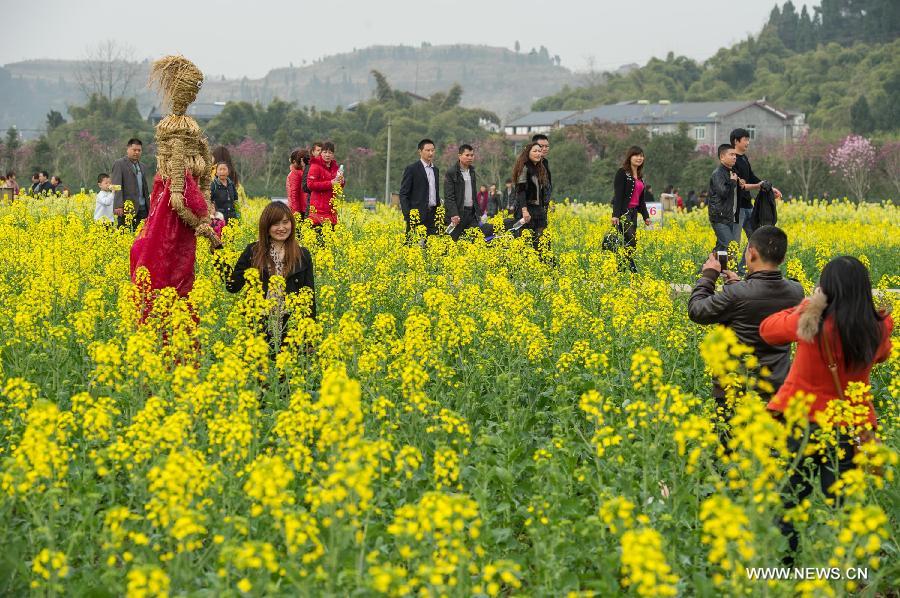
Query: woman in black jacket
x=277 y=252
x=532 y=189
x=629 y=201
x=223 y=193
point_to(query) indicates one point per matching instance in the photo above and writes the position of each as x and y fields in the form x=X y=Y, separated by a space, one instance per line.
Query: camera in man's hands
x=723 y=259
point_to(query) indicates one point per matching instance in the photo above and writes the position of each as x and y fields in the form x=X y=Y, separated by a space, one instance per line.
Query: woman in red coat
x=482 y=198
x=297 y=199
x=323 y=174
x=839 y=319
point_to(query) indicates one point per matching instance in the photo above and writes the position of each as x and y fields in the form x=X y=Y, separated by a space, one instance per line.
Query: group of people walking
x=41 y=184
x=526 y=199
x=730 y=205
x=311 y=182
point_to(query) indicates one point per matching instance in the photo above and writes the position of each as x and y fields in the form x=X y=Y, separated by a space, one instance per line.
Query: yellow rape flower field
x=464 y=420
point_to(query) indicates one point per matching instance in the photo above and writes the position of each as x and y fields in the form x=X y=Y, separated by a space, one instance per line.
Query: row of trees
x=841 y=88
x=842 y=21
x=261 y=138
x=584 y=157
x=79 y=149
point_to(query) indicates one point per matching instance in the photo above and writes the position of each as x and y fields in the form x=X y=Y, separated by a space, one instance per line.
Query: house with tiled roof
x=708 y=123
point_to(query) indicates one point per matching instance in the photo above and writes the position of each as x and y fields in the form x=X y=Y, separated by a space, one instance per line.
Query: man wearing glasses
x=544 y=143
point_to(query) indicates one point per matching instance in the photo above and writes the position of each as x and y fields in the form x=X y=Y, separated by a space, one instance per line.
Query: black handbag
x=613 y=240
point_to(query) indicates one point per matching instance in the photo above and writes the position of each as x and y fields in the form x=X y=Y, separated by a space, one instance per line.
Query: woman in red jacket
x=838 y=325
x=297 y=199
x=323 y=174
x=482 y=198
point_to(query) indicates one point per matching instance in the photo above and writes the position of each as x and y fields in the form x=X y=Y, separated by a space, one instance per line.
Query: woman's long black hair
x=846 y=283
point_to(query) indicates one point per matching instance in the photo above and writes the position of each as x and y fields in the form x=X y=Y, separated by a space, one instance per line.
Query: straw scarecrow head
x=179 y=80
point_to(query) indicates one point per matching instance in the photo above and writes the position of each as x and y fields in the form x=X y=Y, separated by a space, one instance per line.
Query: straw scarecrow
x=180 y=207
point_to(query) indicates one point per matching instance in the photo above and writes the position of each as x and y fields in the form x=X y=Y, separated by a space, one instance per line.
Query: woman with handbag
x=629 y=201
x=840 y=336
x=532 y=190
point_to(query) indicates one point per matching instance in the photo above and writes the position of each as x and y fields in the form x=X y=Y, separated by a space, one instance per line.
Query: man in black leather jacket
x=460 y=190
x=743 y=304
x=723 y=201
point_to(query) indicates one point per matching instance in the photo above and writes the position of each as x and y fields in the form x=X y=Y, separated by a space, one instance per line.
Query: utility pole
x=387 y=168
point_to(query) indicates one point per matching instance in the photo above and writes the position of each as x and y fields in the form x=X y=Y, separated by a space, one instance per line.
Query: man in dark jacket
x=747 y=181
x=43 y=184
x=743 y=304
x=420 y=188
x=544 y=143
x=460 y=193
x=128 y=174
x=494 y=201
x=508 y=202
x=723 y=201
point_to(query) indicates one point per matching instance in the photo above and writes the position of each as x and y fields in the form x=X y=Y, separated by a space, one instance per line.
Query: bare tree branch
x=108 y=69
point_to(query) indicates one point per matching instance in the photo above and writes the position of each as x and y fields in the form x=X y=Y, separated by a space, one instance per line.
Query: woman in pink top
x=628 y=200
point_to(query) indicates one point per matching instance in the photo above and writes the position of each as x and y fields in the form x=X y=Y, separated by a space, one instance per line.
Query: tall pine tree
x=787 y=26
x=806 y=31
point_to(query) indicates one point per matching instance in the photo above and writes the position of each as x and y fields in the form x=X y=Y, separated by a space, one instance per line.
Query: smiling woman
x=275 y=254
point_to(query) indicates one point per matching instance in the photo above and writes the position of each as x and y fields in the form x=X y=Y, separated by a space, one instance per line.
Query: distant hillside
x=496 y=79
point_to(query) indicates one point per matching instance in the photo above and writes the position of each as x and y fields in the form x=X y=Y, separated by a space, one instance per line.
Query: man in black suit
x=419 y=189
x=128 y=173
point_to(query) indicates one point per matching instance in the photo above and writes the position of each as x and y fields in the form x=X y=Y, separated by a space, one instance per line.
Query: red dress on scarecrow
x=166 y=246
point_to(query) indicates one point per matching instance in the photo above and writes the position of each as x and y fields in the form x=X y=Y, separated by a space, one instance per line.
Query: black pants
x=426 y=219
x=538 y=222
x=140 y=214
x=628 y=228
x=467 y=219
x=800 y=483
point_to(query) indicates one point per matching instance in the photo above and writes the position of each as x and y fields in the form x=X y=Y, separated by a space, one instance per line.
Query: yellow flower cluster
x=147 y=582
x=644 y=566
x=460 y=418
x=41 y=459
x=726 y=531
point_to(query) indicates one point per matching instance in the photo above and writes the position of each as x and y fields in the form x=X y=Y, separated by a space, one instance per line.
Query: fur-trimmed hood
x=808 y=323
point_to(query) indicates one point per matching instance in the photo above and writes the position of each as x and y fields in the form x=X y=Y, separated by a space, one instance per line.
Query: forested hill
x=796 y=62
x=497 y=79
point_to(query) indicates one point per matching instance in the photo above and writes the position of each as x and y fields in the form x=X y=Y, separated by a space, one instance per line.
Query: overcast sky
x=249 y=37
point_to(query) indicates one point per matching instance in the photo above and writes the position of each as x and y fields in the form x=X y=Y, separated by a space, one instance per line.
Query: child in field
x=103 y=208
